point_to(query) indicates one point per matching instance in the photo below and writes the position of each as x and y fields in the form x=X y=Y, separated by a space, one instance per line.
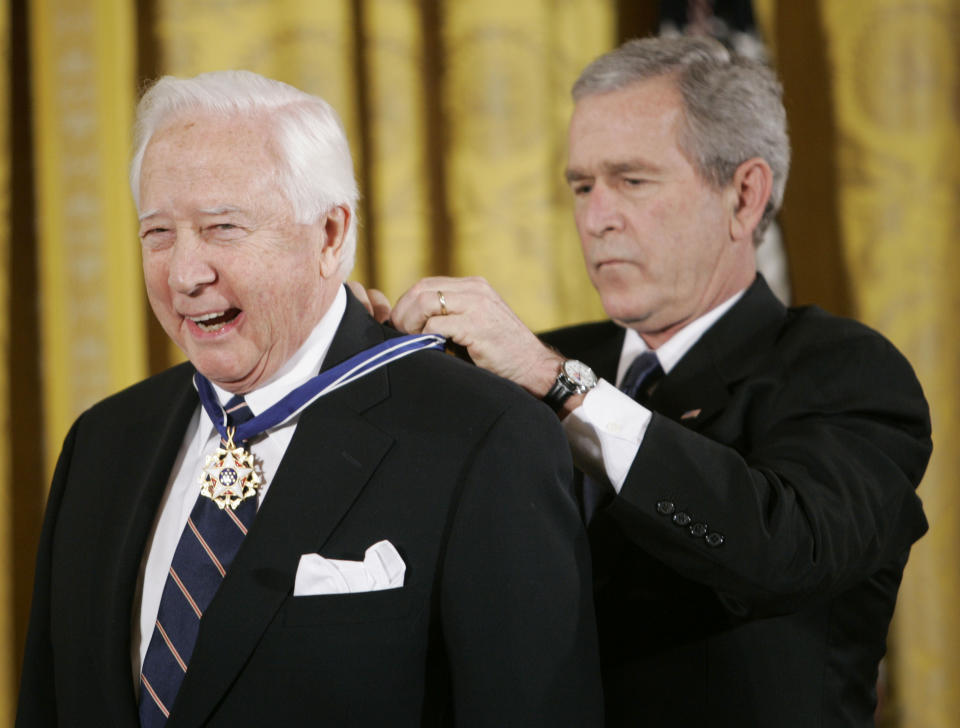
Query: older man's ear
x=375 y=301
x=335 y=225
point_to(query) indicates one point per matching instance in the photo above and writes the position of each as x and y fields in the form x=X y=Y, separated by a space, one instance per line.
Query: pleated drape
x=896 y=94
x=506 y=95
x=8 y=667
x=91 y=294
x=871 y=222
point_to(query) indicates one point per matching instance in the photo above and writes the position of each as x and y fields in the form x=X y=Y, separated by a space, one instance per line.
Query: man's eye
x=156 y=238
x=582 y=189
x=153 y=233
x=224 y=230
x=633 y=181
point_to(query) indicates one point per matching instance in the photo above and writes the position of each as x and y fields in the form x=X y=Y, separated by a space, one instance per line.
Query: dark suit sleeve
x=37 y=703
x=517 y=610
x=808 y=475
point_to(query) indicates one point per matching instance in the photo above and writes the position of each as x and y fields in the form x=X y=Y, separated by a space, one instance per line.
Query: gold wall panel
x=92 y=314
x=398 y=207
x=8 y=670
x=506 y=94
x=897 y=98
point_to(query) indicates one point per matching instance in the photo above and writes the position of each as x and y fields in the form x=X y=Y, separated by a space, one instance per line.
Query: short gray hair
x=733 y=107
x=317 y=170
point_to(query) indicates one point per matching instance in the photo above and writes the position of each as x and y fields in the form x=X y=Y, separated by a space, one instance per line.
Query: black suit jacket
x=797 y=439
x=458 y=469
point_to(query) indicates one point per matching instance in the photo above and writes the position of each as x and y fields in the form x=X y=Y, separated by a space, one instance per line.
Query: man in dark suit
x=751 y=481
x=371 y=548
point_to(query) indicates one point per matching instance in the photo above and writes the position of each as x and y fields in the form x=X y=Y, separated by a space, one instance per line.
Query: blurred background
x=456 y=112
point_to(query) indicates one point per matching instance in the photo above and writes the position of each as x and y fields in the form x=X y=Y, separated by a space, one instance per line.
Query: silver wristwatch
x=574 y=377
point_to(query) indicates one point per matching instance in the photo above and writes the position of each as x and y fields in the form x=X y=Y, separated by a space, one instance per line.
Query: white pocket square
x=381 y=568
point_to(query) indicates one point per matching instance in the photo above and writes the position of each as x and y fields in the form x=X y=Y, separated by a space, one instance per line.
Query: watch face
x=580 y=374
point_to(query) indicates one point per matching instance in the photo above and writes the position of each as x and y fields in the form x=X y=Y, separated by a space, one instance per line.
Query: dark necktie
x=207 y=546
x=641 y=370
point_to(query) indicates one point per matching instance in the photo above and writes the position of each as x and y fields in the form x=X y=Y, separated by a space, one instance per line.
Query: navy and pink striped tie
x=207 y=546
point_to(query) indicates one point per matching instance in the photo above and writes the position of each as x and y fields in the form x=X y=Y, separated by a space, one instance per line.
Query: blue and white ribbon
x=334 y=378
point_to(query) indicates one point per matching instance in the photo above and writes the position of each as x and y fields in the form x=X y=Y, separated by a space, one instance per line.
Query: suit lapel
x=606 y=356
x=695 y=391
x=333 y=453
x=699 y=386
x=145 y=454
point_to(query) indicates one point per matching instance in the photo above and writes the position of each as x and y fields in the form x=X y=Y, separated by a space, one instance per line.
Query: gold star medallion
x=230 y=475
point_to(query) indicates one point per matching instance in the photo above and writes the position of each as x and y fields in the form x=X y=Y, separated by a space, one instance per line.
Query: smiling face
x=233 y=279
x=656 y=237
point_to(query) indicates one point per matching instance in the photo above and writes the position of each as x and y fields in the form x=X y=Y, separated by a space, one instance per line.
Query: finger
x=452 y=327
x=361 y=295
x=442 y=300
x=380 y=303
x=415 y=308
x=439 y=283
x=406 y=309
x=423 y=300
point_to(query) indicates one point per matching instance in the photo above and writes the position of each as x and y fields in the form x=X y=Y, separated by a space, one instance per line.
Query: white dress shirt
x=200 y=440
x=606 y=431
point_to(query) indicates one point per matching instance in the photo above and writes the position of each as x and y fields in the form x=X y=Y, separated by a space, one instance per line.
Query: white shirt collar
x=304 y=364
x=673 y=350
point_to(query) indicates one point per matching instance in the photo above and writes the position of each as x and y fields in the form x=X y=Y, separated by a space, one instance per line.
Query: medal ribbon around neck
x=230 y=475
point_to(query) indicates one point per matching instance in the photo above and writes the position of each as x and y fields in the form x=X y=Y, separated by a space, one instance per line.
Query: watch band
x=558 y=394
x=574 y=377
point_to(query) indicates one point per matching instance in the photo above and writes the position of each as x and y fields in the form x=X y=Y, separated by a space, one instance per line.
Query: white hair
x=316 y=171
x=732 y=105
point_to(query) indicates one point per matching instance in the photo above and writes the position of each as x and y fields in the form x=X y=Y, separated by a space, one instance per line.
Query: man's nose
x=601 y=213
x=190 y=268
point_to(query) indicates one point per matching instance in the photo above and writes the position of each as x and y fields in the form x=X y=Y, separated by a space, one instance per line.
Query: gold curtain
x=8 y=668
x=871 y=223
x=506 y=94
x=399 y=134
x=896 y=93
x=91 y=300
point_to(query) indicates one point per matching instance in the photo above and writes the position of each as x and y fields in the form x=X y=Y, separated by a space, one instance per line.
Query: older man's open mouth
x=215 y=320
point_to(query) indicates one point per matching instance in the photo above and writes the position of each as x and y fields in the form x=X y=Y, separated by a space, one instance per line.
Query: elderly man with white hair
x=313 y=521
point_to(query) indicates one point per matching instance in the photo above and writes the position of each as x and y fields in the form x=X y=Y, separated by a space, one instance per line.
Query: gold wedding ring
x=443 y=303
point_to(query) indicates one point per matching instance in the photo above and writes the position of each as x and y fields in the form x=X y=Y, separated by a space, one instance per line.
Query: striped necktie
x=642 y=369
x=207 y=546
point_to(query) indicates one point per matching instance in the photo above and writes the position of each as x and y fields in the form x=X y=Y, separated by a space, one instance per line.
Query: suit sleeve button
x=682 y=518
x=714 y=539
x=698 y=530
x=665 y=508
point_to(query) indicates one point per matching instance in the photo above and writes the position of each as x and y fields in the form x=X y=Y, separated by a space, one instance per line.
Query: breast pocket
x=323 y=609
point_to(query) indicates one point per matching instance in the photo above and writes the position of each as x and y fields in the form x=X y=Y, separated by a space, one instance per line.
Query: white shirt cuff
x=605 y=433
